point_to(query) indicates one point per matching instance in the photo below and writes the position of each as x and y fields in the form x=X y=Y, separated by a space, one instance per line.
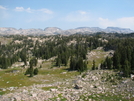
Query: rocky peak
x=52 y=29
x=118 y=30
x=55 y=30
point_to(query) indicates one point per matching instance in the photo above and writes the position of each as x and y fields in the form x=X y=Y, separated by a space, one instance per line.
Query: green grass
x=97 y=60
x=56 y=71
x=60 y=97
x=18 y=79
x=2 y=92
x=47 y=74
x=57 y=74
x=13 y=79
x=48 y=88
x=9 y=79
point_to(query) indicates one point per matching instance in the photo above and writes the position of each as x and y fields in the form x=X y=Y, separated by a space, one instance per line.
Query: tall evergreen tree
x=116 y=61
x=35 y=71
x=132 y=61
x=80 y=65
x=73 y=63
x=109 y=63
x=93 y=67
x=126 y=68
x=30 y=70
x=58 y=60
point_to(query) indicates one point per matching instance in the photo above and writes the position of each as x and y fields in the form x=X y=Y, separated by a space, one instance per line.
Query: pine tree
x=58 y=60
x=23 y=56
x=33 y=62
x=30 y=70
x=109 y=63
x=93 y=67
x=73 y=63
x=85 y=65
x=80 y=65
x=102 y=65
x=35 y=71
x=116 y=61
x=128 y=49
x=126 y=68
x=27 y=71
x=132 y=61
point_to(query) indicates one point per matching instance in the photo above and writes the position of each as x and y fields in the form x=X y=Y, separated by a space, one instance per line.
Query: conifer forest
x=33 y=59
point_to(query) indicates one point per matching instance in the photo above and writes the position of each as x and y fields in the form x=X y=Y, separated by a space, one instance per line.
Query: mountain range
x=55 y=30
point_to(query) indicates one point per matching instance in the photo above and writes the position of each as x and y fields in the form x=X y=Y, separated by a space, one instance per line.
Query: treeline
x=8 y=55
x=76 y=52
x=78 y=64
x=14 y=51
x=23 y=48
x=123 y=58
x=115 y=35
x=69 y=50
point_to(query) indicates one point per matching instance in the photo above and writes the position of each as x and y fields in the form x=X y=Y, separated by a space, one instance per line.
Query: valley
x=70 y=68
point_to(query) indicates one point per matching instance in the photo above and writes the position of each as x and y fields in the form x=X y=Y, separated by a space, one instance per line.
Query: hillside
x=55 y=31
x=74 y=67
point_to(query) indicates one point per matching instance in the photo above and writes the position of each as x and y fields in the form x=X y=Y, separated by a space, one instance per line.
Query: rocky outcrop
x=118 y=30
x=82 y=87
x=55 y=30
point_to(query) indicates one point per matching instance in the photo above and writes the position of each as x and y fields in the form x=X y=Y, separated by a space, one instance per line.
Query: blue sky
x=66 y=14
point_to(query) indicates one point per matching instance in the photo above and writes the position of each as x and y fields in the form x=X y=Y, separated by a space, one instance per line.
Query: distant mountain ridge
x=55 y=30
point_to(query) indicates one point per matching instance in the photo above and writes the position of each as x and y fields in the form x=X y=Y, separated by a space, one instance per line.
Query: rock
x=87 y=86
x=58 y=99
x=77 y=87
x=91 y=86
x=34 y=94
x=17 y=98
x=132 y=76
x=3 y=89
x=11 y=88
x=53 y=90
x=12 y=99
x=100 y=88
x=89 y=99
x=63 y=72
x=24 y=91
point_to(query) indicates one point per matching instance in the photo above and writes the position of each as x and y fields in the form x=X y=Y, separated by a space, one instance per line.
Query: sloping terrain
x=59 y=84
x=55 y=31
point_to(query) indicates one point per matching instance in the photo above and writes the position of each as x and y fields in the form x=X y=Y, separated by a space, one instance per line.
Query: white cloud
x=29 y=10
x=35 y=15
x=82 y=12
x=126 y=19
x=105 y=22
x=19 y=9
x=124 y=22
x=127 y=22
x=3 y=8
x=47 y=11
x=78 y=16
x=4 y=15
x=29 y=14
